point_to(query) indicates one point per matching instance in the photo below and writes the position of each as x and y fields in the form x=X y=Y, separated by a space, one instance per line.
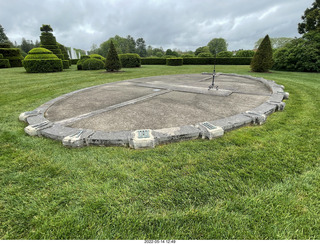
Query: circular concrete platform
x=148 y=111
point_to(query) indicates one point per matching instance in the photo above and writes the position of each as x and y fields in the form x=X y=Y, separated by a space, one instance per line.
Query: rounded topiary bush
x=130 y=60
x=81 y=61
x=174 y=61
x=97 y=56
x=41 y=60
x=92 y=64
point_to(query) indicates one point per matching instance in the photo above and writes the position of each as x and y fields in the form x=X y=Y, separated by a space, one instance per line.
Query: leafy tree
x=113 y=61
x=302 y=54
x=141 y=47
x=262 y=60
x=225 y=54
x=310 y=19
x=275 y=42
x=217 y=45
x=245 y=53
x=299 y=55
x=46 y=28
x=204 y=49
x=131 y=44
x=158 y=52
x=3 y=36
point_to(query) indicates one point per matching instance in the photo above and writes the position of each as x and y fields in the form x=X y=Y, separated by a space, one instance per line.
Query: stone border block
x=257 y=118
x=35 y=129
x=24 y=116
x=209 y=130
x=174 y=134
x=77 y=139
x=142 y=139
x=100 y=138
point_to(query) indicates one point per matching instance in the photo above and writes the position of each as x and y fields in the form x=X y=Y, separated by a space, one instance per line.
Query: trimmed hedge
x=130 y=60
x=81 y=61
x=92 y=64
x=74 y=61
x=48 y=41
x=4 y=63
x=97 y=56
x=153 y=61
x=4 y=45
x=13 y=55
x=174 y=61
x=41 y=60
x=200 y=61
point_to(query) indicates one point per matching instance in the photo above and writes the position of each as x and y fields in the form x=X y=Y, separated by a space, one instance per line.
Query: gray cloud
x=182 y=24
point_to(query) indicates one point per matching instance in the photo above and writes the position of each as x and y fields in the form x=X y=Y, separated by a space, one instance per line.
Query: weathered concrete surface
x=172 y=107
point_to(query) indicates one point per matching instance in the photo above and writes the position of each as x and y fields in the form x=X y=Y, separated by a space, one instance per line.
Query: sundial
x=145 y=112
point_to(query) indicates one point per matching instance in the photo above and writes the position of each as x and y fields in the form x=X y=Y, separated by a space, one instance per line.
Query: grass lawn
x=257 y=182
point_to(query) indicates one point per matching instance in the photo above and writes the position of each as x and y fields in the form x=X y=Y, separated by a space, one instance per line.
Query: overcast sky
x=181 y=24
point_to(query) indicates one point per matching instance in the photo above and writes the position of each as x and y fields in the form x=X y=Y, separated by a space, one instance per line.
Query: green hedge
x=41 y=60
x=4 y=45
x=4 y=63
x=200 y=61
x=13 y=55
x=93 y=64
x=130 y=60
x=174 y=61
x=81 y=61
x=74 y=61
x=219 y=61
x=152 y=61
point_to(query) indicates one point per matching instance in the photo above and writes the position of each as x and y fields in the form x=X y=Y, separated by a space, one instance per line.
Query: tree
x=217 y=45
x=131 y=44
x=141 y=47
x=275 y=42
x=113 y=61
x=303 y=54
x=262 y=60
x=3 y=36
x=204 y=49
x=46 y=28
x=299 y=55
x=310 y=19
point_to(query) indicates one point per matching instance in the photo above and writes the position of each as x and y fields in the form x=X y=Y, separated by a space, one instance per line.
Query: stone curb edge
x=147 y=138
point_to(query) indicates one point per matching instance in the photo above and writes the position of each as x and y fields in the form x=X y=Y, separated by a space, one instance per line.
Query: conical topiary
x=113 y=62
x=262 y=60
x=49 y=42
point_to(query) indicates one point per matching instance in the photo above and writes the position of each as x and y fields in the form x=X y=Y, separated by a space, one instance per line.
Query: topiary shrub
x=130 y=60
x=41 y=60
x=4 y=45
x=4 y=63
x=12 y=54
x=113 y=62
x=81 y=61
x=262 y=60
x=92 y=64
x=174 y=61
x=97 y=56
x=49 y=42
x=66 y=60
